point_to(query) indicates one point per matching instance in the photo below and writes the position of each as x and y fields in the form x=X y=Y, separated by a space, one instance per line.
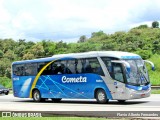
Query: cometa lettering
x=74 y=79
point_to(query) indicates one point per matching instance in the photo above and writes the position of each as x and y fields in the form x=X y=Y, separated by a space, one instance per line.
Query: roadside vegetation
x=155 y=91
x=142 y=40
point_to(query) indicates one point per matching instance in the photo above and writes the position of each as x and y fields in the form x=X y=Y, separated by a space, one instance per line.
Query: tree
x=9 y=55
x=5 y=66
x=83 y=38
x=37 y=50
x=49 y=47
x=97 y=34
x=142 y=26
x=61 y=47
x=21 y=41
x=155 y=24
x=1 y=53
x=20 y=50
x=28 y=56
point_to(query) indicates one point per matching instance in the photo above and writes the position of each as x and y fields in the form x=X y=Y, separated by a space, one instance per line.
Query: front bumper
x=137 y=94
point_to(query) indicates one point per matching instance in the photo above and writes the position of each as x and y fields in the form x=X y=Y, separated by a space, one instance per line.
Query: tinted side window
x=89 y=65
x=19 y=70
x=58 y=67
x=46 y=71
x=79 y=66
x=31 y=69
x=95 y=66
x=70 y=67
x=25 y=69
x=107 y=62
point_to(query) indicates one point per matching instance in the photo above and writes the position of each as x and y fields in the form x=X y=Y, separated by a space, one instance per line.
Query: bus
x=100 y=75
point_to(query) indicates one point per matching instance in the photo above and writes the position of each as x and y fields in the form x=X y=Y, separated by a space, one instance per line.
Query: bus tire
x=37 y=96
x=56 y=99
x=101 y=96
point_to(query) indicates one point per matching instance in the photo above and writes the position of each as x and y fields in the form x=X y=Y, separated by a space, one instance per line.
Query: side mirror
x=126 y=64
x=151 y=63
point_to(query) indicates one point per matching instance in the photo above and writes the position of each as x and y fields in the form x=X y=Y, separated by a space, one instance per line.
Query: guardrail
x=155 y=87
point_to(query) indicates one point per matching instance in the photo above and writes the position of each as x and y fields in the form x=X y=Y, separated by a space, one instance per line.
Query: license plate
x=142 y=95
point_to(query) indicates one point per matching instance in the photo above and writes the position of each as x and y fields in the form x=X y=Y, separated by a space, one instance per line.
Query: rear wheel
x=101 y=96
x=37 y=96
x=56 y=99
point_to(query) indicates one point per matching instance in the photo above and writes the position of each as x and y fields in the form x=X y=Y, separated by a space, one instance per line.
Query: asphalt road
x=11 y=103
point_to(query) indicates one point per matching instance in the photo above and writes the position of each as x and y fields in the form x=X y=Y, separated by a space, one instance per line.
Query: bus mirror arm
x=151 y=63
x=126 y=64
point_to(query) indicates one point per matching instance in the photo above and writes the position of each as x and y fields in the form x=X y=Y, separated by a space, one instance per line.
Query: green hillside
x=142 y=40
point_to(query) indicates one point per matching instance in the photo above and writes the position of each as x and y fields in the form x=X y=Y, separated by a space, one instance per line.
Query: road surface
x=11 y=103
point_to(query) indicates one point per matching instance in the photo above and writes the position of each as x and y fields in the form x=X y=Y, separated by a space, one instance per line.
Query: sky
x=67 y=20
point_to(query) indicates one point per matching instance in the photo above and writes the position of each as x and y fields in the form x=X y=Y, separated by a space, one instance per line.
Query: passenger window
x=86 y=66
x=45 y=71
x=107 y=62
x=30 y=69
x=79 y=66
x=25 y=69
x=19 y=70
x=57 y=68
x=60 y=67
x=90 y=65
x=70 y=67
x=96 y=67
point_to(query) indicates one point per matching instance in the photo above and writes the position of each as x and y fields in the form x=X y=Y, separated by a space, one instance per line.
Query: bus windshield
x=138 y=74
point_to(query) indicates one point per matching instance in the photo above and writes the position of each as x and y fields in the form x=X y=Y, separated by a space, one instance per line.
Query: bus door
x=115 y=69
x=119 y=82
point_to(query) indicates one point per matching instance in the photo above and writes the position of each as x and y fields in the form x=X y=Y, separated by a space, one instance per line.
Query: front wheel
x=101 y=96
x=37 y=96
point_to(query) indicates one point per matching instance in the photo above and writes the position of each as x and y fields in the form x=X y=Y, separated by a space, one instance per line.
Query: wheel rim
x=36 y=96
x=101 y=96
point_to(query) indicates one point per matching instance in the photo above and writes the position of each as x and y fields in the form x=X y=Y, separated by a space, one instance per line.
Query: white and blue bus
x=100 y=75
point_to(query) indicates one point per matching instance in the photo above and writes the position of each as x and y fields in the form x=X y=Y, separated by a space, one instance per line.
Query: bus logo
x=74 y=79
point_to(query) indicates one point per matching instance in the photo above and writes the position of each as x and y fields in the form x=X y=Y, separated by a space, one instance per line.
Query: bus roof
x=116 y=54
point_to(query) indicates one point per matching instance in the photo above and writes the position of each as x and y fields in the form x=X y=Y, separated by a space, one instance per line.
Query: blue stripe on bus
x=52 y=86
x=138 y=87
x=131 y=57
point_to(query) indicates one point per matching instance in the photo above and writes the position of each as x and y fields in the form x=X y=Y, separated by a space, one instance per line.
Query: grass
x=154 y=75
x=155 y=91
x=6 y=82
x=11 y=92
